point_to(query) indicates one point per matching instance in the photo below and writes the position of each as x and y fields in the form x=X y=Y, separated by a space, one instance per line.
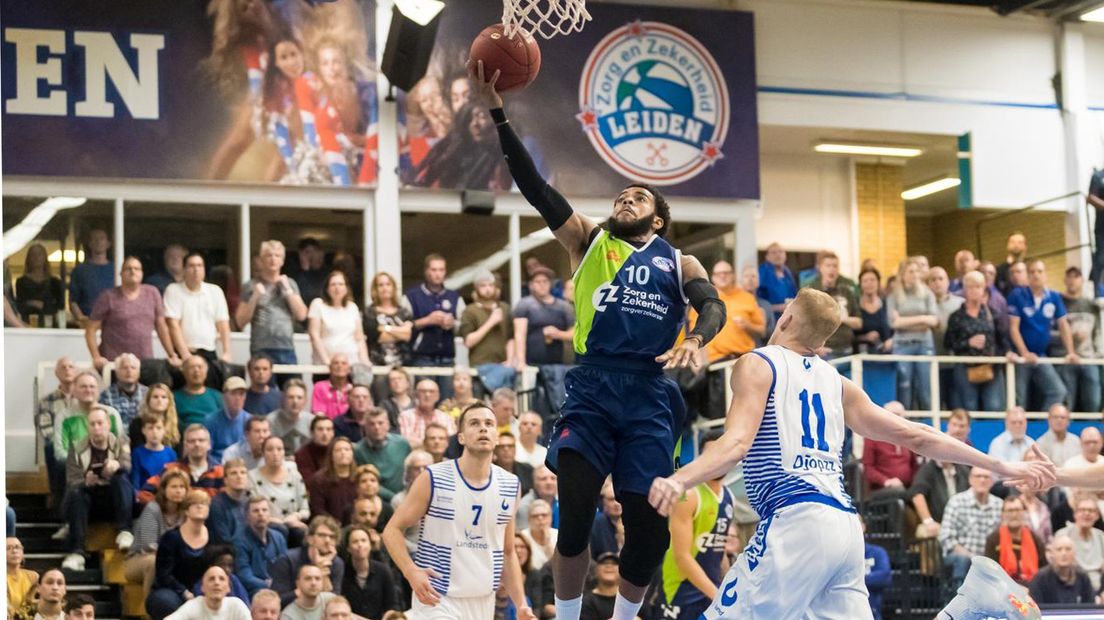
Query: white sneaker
x=124 y=541
x=73 y=562
x=61 y=534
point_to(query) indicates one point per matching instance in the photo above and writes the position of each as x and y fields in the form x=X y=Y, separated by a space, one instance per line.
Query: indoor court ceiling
x=1058 y=9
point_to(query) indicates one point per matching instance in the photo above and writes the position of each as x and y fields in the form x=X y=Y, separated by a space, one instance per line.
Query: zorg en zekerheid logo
x=654 y=103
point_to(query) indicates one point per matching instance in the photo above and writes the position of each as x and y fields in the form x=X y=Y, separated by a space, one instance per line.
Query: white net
x=544 y=17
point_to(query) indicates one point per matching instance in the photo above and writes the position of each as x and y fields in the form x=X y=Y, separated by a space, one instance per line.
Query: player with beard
x=622 y=415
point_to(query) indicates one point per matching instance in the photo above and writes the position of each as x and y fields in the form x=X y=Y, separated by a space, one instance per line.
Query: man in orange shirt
x=745 y=321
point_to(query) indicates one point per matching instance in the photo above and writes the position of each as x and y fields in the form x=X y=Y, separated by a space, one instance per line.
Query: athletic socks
x=623 y=609
x=570 y=609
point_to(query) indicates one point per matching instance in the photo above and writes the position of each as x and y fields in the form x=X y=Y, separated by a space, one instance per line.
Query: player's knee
x=646 y=540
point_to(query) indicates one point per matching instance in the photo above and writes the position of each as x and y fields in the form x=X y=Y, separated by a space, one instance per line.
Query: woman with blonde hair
x=162 y=514
x=912 y=315
x=158 y=401
x=180 y=561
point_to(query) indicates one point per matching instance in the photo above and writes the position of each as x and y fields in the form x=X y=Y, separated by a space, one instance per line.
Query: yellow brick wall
x=881 y=215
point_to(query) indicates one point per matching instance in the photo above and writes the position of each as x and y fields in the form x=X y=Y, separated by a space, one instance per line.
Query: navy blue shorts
x=623 y=423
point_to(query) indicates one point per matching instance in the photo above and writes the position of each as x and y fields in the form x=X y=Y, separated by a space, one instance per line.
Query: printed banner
x=242 y=90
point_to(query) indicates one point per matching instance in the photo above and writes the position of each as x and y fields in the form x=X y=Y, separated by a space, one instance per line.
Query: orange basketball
x=517 y=57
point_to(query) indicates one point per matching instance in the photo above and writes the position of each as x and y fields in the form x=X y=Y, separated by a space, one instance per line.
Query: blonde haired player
x=786 y=423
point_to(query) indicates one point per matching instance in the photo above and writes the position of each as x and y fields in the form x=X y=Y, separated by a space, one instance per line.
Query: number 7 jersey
x=797 y=454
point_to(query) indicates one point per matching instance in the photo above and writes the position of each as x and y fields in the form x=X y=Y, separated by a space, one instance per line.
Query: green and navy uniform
x=682 y=600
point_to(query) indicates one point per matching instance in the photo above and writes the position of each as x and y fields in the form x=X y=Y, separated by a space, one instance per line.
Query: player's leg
x=580 y=487
x=845 y=597
x=646 y=540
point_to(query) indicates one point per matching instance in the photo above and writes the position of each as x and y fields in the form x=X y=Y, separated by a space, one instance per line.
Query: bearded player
x=621 y=414
x=806 y=557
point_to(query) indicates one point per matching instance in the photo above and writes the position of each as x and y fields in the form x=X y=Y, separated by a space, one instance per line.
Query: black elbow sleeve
x=711 y=310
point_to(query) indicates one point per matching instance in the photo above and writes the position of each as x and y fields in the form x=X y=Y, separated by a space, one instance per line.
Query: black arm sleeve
x=711 y=310
x=552 y=206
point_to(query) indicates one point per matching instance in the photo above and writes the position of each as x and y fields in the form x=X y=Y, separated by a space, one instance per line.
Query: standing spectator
x=540 y=535
x=436 y=442
x=1014 y=546
x=964 y=263
x=400 y=398
x=197 y=314
x=1035 y=310
x=946 y=304
x=1057 y=443
x=74 y=427
x=971 y=331
x=330 y=397
x=51 y=595
x=250 y=448
x=776 y=282
x=487 y=328
x=127 y=315
x=913 y=316
x=529 y=450
x=257 y=547
x=332 y=489
x=1061 y=583
x=967 y=521
x=412 y=422
x=1017 y=251
x=1088 y=542
x=434 y=309
x=462 y=396
x=21 y=581
x=879 y=574
x=310 y=276
x=92 y=277
x=388 y=323
x=320 y=550
x=1082 y=382
x=51 y=412
x=39 y=295
x=598 y=603
x=173 y=270
x=369 y=585
x=227 y=426
x=1013 y=443
x=279 y=481
x=228 y=507
x=887 y=465
x=505 y=453
x=290 y=422
x=384 y=450
x=532 y=266
x=748 y=324
x=998 y=303
x=97 y=479
x=1017 y=275
x=311 y=456
x=150 y=458
x=875 y=335
x=162 y=514
x=203 y=473
x=195 y=402
x=263 y=397
x=11 y=317
x=334 y=324
x=749 y=281
x=932 y=487
x=272 y=303
x=214 y=602
x=348 y=424
x=159 y=403
x=542 y=326
x=842 y=290
x=125 y=394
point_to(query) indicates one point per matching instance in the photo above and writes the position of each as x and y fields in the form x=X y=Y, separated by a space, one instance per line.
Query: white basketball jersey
x=461 y=535
x=797 y=454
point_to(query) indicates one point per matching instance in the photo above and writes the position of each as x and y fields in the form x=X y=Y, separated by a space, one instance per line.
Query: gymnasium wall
x=939 y=237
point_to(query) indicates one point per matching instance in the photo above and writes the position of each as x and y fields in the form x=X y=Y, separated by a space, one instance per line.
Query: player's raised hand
x=484 y=86
x=682 y=356
x=664 y=493
x=419 y=583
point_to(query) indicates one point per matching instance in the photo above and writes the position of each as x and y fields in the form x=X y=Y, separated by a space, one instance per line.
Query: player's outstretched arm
x=571 y=229
x=873 y=422
x=406 y=516
x=752 y=378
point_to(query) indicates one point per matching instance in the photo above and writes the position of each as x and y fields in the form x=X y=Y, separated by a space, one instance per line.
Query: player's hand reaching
x=526 y=613
x=419 y=583
x=484 y=86
x=664 y=493
x=682 y=356
x=1037 y=472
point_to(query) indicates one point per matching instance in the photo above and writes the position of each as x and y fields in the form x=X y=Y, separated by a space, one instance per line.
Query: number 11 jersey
x=797 y=454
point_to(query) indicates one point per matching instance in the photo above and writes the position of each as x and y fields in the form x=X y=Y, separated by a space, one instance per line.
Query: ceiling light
x=881 y=150
x=930 y=188
x=1095 y=15
x=70 y=256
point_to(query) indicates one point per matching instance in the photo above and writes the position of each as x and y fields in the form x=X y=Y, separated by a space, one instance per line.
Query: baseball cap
x=608 y=556
x=543 y=271
x=234 y=383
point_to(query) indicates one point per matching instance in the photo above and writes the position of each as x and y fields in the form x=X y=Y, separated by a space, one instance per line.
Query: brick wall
x=882 y=231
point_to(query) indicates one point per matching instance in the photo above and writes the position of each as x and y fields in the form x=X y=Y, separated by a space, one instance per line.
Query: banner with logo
x=252 y=91
x=663 y=96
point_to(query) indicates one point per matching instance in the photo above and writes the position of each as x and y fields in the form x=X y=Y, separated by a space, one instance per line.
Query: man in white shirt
x=1088 y=542
x=214 y=604
x=310 y=600
x=529 y=428
x=1058 y=443
x=1091 y=441
x=1013 y=443
x=197 y=313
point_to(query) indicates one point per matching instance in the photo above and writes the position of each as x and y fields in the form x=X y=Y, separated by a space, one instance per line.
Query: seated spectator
x=1088 y=542
x=607 y=534
x=971 y=331
x=228 y=508
x=159 y=402
x=180 y=559
x=842 y=290
x=334 y=324
x=74 y=425
x=125 y=394
x=598 y=603
x=932 y=487
x=413 y=465
x=913 y=316
x=257 y=546
x=1061 y=583
x=51 y=596
x=388 y=323
x=539 y=588
x=544 y=487
x=291 y=422
x=331 y=396
x=958 y=426
x=223 y=556
x=38 y=294
x=158 y=516
x=126 y=316
x=227 y=425
x=21 y=581
x=369 y=509
x=1057 y=443
x=272 y=303
x=97 y=480
x=462 y=396
x=195 y=401
x=412 y=422
x=749 y=281
x=368 y=584
x=436 y=441
x=399 y=396
x=311 y=456
x=1031 y=322
x=338 y=608
x=530 y=432
x=332 y=489
x=874 y=335
x=748 y=323
x=887 y=466
x=203 y=473
x=173 y=268
x=250 y=447
x=214 y=603
x=967 y=521
x=263 y=397
x=879 y=574
x=150 y=458
x=51 y=412
x=198 y=315
x=540 y=536
x=348 y=424
x=266 y=605
x=320 y=550
x=504 y=457
x=310 y=598
x=80 y=607
x=384 y=450
x=1091 y=444
x=1037 y=515
x=1013 y=443
x=1014 y=546
x=279 y=481
x=487 y=327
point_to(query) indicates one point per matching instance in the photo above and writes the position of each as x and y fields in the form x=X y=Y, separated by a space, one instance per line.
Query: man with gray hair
x=272 y=303
x=125 y=394
x=1013 y=443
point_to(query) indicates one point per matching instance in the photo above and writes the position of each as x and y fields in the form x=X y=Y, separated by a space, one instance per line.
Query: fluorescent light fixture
x=930 y=188
x=1095 y=15
x=878 y=150
x=420 y=12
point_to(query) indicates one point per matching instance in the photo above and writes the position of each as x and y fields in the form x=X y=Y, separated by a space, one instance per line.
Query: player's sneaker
x=988 y=593
x=61 y=534
x=124 y=541
x=73 y=562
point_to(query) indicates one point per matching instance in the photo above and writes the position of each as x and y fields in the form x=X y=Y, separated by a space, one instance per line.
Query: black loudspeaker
x=409 y=46
x=475 y=202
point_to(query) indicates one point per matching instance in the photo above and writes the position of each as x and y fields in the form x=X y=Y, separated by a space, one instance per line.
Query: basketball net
x=544 y=17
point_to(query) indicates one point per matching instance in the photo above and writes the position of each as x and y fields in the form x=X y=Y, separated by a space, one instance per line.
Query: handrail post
x=933 y=404
x=857 y=369
x=728 y=386
x=1010 y=385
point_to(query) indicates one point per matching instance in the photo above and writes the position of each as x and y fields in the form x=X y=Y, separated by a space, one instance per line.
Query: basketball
x=517 y=57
